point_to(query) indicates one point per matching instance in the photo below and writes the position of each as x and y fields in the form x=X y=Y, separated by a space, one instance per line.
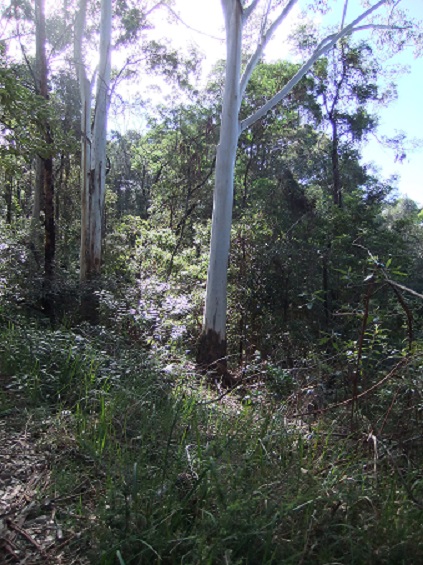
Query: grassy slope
x=177 y=477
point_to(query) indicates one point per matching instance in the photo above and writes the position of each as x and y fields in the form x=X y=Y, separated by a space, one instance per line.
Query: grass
x=176 y=478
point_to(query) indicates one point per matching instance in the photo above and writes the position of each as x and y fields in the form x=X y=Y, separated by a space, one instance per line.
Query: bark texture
x=93 y=156
x=212 y=345
x=213 y=352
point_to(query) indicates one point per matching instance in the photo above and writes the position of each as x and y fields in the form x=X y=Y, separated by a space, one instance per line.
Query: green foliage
x=22 y=117
x=57 y=368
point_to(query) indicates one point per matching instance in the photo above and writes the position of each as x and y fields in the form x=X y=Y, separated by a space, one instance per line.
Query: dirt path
x=36 y=525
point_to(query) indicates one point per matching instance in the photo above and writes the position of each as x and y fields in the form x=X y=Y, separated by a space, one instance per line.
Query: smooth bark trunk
x=97 y=187
x=93 y=142
x=85 y=95
x=212 y=346
x=93 y=156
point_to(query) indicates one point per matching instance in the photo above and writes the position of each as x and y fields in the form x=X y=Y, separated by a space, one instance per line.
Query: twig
x=372 y=438
x=388 y=280
x=25 y=534
x=407 y=311
x=402 y=287
x=219 y=398
x=57 y=548
x=388 y=412
x=307 y=545
x=400 y=364
x=182 y=223
x=228 y=391
x=179 y=19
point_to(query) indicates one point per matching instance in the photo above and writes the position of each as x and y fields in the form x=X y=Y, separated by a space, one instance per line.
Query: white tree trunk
x=93 y=143
x=98 y=149
x=214 y=324
x=212 y=345
x=85 y=95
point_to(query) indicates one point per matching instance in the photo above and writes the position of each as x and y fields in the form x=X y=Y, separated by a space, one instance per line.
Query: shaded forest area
x=304 y=443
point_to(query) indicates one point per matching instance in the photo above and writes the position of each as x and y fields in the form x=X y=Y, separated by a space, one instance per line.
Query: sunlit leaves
x=22 y=117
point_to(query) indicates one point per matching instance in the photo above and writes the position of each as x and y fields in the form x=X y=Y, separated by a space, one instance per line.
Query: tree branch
x=388 y=280
x=148 y=12
x=77 y=43
x=380 y=26
x=344 y=14
x=250 y=9
x=179 y=19
x=262 y=45
x=401 y=363
x=402 y=287
x=323 y=48
x=31 y=70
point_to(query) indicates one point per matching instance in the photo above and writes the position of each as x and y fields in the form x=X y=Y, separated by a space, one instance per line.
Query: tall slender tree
x=46 y=169
x=212 y=344
x=130 y=22
x=93 y=139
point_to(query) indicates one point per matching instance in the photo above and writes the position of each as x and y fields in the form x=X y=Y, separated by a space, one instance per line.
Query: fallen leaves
x=31 y=532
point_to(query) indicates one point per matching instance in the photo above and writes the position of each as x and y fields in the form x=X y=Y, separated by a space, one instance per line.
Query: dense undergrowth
x=271 y=472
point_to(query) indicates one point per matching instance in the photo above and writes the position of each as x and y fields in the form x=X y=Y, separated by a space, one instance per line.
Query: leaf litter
x=37 y=525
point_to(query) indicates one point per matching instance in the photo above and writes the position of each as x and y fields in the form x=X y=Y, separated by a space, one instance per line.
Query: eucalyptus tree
x=38 y=120
x=27 y=118
x=93 y=138
x=21 y=113
x=237 y=14
x=124 y=22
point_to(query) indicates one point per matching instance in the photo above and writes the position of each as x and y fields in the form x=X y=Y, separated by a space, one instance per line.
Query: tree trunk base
x=90 y=305
x=211 y=357
x=211 y=350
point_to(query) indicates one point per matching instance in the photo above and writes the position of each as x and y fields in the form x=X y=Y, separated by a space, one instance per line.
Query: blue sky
x=405 y=114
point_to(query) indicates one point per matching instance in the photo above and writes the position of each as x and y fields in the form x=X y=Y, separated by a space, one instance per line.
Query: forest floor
x=38 y=524
x=150 y=470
